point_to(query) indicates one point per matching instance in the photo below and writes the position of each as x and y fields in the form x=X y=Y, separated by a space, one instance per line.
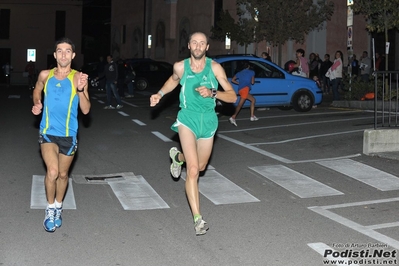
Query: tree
x=280 y=21
x=380 y=16
x=276 y=21
x=241 y=31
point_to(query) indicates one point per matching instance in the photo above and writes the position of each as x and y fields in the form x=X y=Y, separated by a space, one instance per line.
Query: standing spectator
x=64 y=90
x=7 y=68
x=100 y=73
x=196 y=121
x=266 y=56
x=301 y=64
x=313 y=66
x=325 y=81
x=365 y=66
x=336 y=74
x=111 y=81
x=355 y=67
x=379 y=62
x=244 y=79
x=129 y=80
x=31 y=70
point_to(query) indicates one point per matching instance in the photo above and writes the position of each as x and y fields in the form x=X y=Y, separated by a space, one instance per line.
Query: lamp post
x=349 y=24
x=256 y=20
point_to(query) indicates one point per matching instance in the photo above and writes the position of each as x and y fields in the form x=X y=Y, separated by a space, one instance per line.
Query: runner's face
x=64 y=54
x=198 y=46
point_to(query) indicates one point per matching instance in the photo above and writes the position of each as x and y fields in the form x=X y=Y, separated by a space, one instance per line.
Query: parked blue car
x=274 y=87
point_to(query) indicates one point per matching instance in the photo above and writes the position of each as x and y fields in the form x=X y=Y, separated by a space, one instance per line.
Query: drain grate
x=103 y=178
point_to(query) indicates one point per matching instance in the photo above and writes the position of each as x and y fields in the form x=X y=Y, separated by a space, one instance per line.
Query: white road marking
x=123 y=113
x=321 y=249
x=135 y=193
x=138 y=122
x=366 y=230
x=279 y=158
x=296 y=124
x=307 y=137
x=263 y=152
x=364 y=173
x=221 y=190
x=297 y=183
x=161 y=136
x=38 y=194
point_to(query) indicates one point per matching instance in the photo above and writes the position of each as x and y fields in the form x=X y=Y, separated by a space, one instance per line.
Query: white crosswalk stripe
x=135 y=193
x=364 y=173
x=221 y=190
x=38 y=195
x=297 y=183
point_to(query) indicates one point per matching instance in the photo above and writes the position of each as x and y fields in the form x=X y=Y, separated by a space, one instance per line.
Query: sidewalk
x=393 y=155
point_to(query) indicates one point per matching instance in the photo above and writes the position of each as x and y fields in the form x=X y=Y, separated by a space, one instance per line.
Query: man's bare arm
x=228 y=95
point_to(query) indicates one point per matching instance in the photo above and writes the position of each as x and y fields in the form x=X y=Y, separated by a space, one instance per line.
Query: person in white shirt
x=336 y=74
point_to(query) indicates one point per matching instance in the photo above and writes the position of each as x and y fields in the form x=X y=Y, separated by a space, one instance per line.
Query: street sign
x=31 y=55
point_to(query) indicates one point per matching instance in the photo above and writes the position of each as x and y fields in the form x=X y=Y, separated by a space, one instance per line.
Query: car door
x=270 y=88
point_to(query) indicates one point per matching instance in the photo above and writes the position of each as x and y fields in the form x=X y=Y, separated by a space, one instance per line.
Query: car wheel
x=302 y=101
x=141 y=84
x=94 y=83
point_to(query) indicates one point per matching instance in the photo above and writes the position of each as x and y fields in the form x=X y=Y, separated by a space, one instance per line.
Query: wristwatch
x=214 y=93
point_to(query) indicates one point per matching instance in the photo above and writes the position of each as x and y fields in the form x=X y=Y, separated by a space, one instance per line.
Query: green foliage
x=280 y=21
x=276 y=21
x=355 y=89
x=380 y=15
x=225 y=26
x=241 y=31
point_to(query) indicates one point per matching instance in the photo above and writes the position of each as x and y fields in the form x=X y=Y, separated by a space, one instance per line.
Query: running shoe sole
x=175 y=167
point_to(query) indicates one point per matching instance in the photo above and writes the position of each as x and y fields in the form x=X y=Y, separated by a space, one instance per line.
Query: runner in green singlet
x=196 y=121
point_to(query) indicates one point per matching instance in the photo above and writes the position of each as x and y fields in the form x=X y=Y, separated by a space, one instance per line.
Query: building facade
x=36 y=25
x=159 y=29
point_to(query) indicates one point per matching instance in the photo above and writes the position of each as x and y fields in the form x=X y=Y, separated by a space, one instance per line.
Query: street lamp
x=257 y=20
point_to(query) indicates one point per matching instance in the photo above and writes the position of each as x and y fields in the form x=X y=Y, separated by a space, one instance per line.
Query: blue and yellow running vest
x=60 y=107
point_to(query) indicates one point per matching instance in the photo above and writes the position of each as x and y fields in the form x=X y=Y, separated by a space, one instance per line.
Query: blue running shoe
x=48 y=223
x=57 y=217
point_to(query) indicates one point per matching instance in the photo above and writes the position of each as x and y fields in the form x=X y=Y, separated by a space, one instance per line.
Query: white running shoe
x=175 y=167
x=254 y=118
x=200 y=227
x=232 y=121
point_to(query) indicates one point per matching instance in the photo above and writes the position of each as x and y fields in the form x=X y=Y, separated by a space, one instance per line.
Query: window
x=5 y=24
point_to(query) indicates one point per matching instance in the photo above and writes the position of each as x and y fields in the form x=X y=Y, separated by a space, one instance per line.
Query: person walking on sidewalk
x=244 y=79
x=111 y=77
x=196 y=121
x=65 y=90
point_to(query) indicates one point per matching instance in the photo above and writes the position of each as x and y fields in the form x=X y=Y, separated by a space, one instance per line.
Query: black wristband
x=82 y=90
